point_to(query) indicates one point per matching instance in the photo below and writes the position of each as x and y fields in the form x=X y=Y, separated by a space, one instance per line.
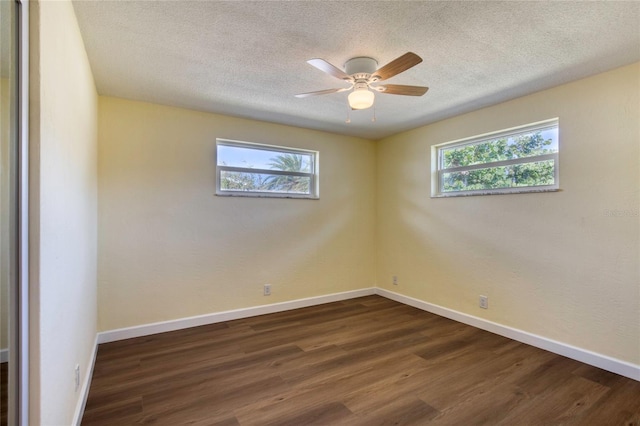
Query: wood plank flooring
x=4 y=393
x=365 y=361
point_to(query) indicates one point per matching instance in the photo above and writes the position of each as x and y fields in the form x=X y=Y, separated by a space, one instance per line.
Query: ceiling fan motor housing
x=361 y=68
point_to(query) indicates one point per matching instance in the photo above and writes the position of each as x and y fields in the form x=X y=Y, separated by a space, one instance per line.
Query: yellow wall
x=562 y=265
x=169 y=248
x=63 y=212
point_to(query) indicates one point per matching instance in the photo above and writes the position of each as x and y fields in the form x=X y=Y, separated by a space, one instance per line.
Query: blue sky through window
x=254 y=158
x=553 y=135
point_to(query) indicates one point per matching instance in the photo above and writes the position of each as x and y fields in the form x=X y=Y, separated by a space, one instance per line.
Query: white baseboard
x=86 y=384
x=614 y=365
x=178 y=324
x=4 y=355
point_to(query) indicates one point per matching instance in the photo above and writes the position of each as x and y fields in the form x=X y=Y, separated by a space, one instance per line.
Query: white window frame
x=314 y=190
x=437 y=160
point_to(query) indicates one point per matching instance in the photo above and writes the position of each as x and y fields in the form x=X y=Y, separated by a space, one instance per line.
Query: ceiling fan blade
x=400 y=89
x=325 y=66
x=397 y=66
x=320 y=92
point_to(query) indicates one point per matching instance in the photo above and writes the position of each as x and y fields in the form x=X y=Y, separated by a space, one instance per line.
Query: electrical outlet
x=77 y=376
x=394 y=279
x=484 y=302
x=267 y=289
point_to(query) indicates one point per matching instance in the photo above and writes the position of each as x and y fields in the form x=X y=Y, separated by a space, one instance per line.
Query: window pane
x=264 y=182
x=518 y=175
x=246 y=157
x=506 y=148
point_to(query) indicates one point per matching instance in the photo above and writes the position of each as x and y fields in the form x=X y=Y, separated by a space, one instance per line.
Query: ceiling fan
x=361 y=72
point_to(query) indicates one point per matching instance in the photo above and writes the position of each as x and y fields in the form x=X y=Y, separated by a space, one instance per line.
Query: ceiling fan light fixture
x=361 y=98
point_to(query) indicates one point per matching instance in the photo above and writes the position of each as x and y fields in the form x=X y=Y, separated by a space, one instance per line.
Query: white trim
x=500 y=191
x=178 y=324
x=86 y=385
x=614 y=365
x=22 y=386
x=4 y=355
x=514 y=161
x=267 y=171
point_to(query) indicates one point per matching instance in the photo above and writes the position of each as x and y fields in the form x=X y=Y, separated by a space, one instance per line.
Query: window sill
x=495 y=192
x=266 y=195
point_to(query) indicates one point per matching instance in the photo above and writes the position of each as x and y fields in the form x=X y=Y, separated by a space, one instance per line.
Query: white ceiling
x=248 y=59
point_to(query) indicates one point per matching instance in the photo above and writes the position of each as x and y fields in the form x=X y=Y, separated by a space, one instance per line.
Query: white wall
x=553 y=264
x=63 y=244
x=170 y=248
x=5 y=185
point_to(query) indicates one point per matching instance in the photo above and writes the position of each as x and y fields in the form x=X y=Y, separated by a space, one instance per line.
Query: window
x=522 y=159
x=256 y=170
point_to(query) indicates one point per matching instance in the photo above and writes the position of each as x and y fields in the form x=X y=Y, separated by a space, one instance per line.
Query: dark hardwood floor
x=4 y=392
x=365 y=361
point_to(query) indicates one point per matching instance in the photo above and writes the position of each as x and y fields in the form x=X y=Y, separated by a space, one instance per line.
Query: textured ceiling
x=248 y=59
